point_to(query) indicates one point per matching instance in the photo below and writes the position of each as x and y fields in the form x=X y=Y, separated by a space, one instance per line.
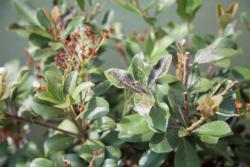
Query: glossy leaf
x=134 y=128
x=82 y=87
x=186 y=155
x=87 y=150
x=161 y=143
x=214 y=128
x=39 y=41
x=158 y=117
x=58 y=142
x=70 y=82
x=97 y=108
x=69 y=126
x=150 y=158
x=45 y=111
x=42 y=162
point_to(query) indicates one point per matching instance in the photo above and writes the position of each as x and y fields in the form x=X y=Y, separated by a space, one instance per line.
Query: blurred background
x=12 y=46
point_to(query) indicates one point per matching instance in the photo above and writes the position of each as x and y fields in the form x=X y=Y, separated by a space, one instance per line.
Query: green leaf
x=158 y=117
x=198 y=42
x=20 y=29
x=58 y=142
x=42 y=162
x=203 y=85
x=74 y=160
x=176 y=101
x=214 y=52
x=110 y=163
x=243 y=72
x=161 y=143
x=243 y=154
x=134 y=128
x=43 y=54
x=186 y=155
x=81 y=4
x=214 y=128
x=132 y=47
x=82 y=87
x=159 y=69
x=120 y=79
x=102 y=88
x=54 y=80
x=164 y=4
x=69 y=126
x=25 y=11
x=75 y=23
x=149 y=44
x=103 y=123
x=187 y=8
x=70 y=82
x=113 y=152
x=87 y=150
x=97 y=108
x=128 y=6
x=39 y=41
x=137 y=67
x=209 y=139
x=160 y=47
x=176 y=31
x=107 y=18
x=43 y=19
x=226 y=109
x=143 y=103
x=45 y=111
x=152 y=159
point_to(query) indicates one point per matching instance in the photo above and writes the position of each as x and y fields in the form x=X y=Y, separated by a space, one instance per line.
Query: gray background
x=12 y=46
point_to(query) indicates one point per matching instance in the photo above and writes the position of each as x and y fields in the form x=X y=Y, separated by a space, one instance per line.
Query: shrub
x=178 y=101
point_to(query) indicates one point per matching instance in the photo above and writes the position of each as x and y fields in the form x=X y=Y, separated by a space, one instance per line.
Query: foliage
x=161 y=110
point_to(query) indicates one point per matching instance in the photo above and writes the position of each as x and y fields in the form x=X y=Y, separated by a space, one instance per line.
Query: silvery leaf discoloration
x=159 y=69
x=121 y=79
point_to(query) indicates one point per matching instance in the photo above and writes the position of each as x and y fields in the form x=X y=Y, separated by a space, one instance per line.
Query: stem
x=210 y=71
x=37 y=122
x=186 y=102
x=189 y=37
x=231 y=86
x=137 y=4
x=186 y=69
x=196 y=124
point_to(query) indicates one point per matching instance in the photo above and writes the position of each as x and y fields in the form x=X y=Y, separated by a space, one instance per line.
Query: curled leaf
x=159 y=69
x=210 y=105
